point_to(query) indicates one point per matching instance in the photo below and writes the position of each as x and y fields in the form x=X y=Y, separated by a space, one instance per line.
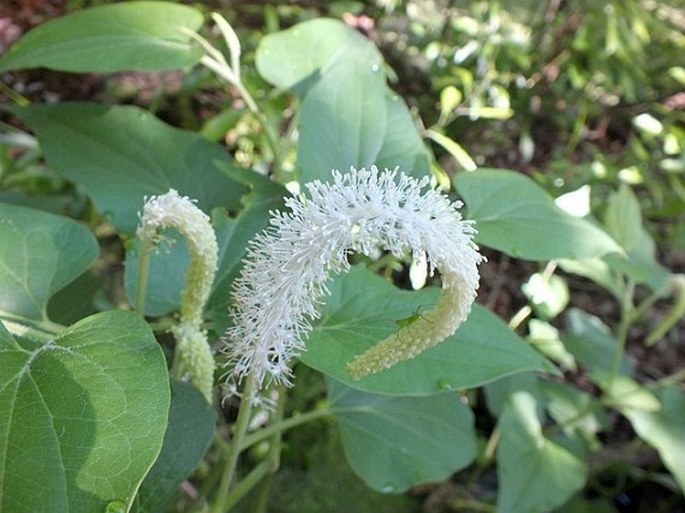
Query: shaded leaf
x=123 y=154
x=348 y=115
x=327 y=484
x=536 y=474
x=402 y=147
x=188 y=435
x=393 y=443
x=566 y=404
x=623 y=220
x=342 y=121
x=591 y=341
x=40 y=254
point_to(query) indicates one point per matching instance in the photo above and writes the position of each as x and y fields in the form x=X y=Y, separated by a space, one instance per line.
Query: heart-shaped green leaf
x=125 y=36
x=394 y=443
x=402 y=146
x=517 y=217
x=82 y=416
x=188 y=435
x=348 y=117
x=536 y=474
x=122 y=154
x=342 y=121
x=363 y=309
x=290 y=57
x=40 y=253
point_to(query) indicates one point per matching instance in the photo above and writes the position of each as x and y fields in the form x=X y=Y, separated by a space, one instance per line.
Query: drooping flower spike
x=284 y=278
x=170 y=210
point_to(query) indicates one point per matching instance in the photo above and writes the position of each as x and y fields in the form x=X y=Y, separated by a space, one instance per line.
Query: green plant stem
x=273 y=457
x=520 y=316
x=234 y=448
x=17 y=98
x=143 y=274
x=263 y=122
x=177 y=367
x=283 y=425
x=252 y=479
x=491 y=447
x=224 y=71
x=627 y=317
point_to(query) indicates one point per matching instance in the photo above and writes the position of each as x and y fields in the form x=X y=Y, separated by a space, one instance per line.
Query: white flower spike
x=193 y=353
x=284 y=278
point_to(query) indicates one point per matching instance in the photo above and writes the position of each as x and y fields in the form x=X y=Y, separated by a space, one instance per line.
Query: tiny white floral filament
x=287 y=266
x=173 y=211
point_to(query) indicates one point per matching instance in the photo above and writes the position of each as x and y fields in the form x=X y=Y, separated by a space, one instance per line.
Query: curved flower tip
x=193 y=353
x=171 y=210
x=284 y=277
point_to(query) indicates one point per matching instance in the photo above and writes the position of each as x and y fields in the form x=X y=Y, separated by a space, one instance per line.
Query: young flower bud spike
x=288 y=264
x=170 y=210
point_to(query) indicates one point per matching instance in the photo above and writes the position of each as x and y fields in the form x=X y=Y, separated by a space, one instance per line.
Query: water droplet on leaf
x=444 y=384
x=116 y=506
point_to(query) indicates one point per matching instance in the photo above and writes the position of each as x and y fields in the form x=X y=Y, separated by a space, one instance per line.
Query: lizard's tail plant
x=287 y=266
x=193 y=356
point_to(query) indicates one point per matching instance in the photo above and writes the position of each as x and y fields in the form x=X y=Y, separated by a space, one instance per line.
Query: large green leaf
x=394 y=443
x=517 y=217
x=40 y=253
x=289 y=58
x=362 y=311
x=402 y=146
x=342 y=121
x=536 y=474
x=82 y=416
x=122 y=154
x=134 y=35
x=664 y=430
x=348 y=116
x=188 y=435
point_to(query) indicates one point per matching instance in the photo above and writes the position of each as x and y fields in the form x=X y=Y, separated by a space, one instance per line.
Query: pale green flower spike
x=196 y=357
x=283 y=282
x=193 y=353
x=424 y=330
